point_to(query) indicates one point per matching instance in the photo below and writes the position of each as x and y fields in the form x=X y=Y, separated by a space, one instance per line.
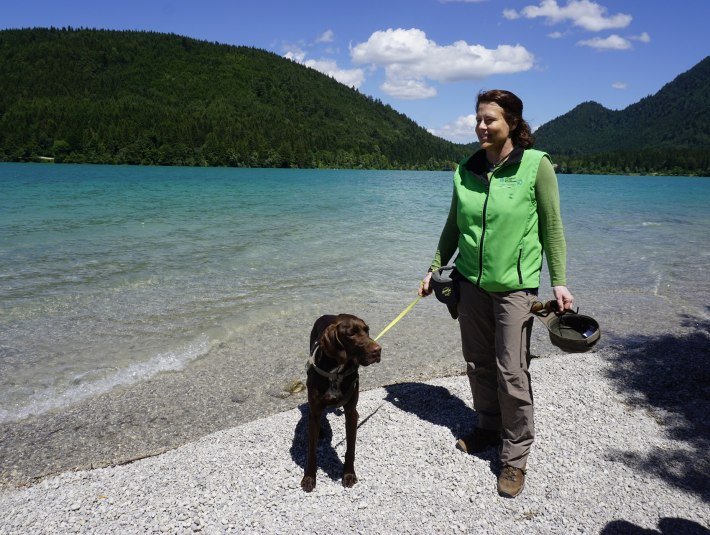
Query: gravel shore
x=621 y=447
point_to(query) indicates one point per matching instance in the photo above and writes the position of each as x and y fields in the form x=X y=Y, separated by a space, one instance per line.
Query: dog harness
x=335 y=378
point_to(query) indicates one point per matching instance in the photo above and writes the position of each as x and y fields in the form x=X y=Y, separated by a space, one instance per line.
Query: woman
x=504 y=214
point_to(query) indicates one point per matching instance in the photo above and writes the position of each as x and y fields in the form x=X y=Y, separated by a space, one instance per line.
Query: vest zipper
x=483 y=233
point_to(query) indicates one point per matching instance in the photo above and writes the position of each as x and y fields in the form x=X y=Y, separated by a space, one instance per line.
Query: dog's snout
x=375 y=352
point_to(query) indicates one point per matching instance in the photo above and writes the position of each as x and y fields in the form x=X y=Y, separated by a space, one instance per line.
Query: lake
x=110 y=275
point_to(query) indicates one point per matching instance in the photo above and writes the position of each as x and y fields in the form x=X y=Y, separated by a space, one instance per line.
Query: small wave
x=651 y=224
x=52 y=399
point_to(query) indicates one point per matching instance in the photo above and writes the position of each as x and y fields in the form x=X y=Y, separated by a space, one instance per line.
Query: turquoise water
x=111 y=274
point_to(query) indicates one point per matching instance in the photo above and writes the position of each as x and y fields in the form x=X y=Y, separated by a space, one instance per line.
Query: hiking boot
x=478 y=441
x=511 y=481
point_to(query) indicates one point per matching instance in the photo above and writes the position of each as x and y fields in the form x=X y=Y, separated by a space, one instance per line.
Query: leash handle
x=541 y=309
x=401 y=315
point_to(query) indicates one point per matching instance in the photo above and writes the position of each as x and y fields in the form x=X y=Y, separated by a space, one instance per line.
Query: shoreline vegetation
x=146 y=98
x=565 y=168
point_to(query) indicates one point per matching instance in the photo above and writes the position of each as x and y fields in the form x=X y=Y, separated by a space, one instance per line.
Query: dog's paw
x=349 y=480
x=308 y=483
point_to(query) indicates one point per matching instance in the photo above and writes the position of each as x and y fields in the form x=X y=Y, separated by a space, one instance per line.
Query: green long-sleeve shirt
x=550 y=225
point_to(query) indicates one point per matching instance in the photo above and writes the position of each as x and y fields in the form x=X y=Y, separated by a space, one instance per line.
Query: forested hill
x=149 y=98
x=667 y=132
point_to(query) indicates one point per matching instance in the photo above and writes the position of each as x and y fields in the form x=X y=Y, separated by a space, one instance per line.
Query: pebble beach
x=621 y=447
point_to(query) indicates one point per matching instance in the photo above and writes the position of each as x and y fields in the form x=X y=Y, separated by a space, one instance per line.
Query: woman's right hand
x=564 y=298
x=424 y=287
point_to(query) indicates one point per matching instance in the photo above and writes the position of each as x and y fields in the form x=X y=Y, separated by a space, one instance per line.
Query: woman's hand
x=424 y=288
x=565 y=300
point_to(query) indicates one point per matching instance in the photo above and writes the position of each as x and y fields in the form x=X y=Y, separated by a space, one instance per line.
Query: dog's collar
x=340 y=371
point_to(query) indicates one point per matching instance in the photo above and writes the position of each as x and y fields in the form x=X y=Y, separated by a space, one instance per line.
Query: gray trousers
x=495 y=338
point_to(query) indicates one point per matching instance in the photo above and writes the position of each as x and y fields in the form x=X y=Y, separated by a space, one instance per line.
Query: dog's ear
x=331 y=345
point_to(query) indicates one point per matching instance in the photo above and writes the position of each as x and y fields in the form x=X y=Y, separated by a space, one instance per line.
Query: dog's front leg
x=351 y=417
x=308 y=483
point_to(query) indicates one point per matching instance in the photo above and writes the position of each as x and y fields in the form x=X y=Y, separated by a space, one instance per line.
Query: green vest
x=499 y=244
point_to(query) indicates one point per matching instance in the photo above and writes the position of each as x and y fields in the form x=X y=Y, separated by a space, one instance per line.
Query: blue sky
x=429 y=58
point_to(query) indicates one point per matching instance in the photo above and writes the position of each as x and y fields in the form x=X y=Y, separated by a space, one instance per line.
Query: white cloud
x=296 y=54
x=463 y=1
x=510 y=14
x=619 y=85
x=555 y=35
x=613 y=42
x=326 y=37
x=462 y=130
x=410 y=89
x=644 y=38
x=583 y=13
x=393 y=46
x=410 y=58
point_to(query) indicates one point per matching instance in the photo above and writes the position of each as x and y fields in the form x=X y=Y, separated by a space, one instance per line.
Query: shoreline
x=612 y=453
x=619 y=171
x=172 y=409
x=232 y=387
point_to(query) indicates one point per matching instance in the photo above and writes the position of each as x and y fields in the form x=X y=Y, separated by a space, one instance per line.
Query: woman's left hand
x=565 y=300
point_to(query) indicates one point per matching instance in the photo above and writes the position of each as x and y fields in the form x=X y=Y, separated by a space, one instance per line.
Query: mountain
x=148 y=98
x=102 y=96
x=660 y=132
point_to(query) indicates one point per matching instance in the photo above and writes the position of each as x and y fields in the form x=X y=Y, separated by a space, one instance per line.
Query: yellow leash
x=401 y=315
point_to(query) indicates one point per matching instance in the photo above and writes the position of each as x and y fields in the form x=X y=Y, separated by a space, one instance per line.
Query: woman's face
x=491 y=127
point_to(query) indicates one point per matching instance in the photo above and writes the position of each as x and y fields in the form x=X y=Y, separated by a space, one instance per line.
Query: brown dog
x=339 y=346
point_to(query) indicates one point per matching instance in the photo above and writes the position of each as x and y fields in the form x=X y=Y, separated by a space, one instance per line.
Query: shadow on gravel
x=327 y=458
x=666 y=526
x=669 y=376
x=437 y=405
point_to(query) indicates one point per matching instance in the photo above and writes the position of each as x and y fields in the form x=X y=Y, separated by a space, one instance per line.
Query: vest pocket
x=520 y=270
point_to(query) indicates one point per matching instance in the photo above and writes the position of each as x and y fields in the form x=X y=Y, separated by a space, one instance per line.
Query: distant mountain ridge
x=670 y=126
x=127 y=97
x=104 y=96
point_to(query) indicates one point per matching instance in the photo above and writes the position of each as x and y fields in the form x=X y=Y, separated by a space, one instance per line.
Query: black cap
x=573 y=333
